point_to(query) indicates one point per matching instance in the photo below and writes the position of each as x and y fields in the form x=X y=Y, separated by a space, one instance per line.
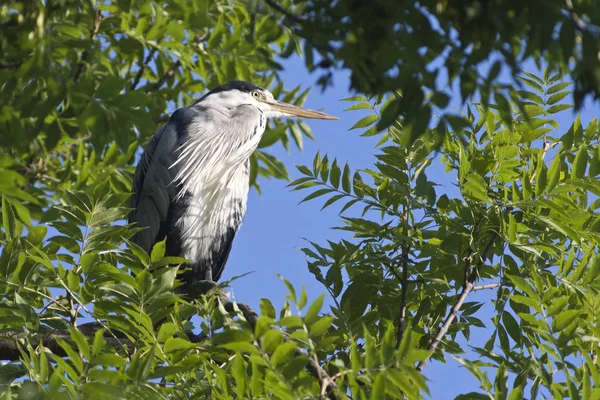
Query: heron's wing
x=154 y=185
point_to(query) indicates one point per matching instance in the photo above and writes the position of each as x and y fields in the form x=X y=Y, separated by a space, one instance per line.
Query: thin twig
x=9 y=64
x=86 y=53
x=140 y=72
x=404 y=298
x=467 y=288
x=36 y=167
x=328 y=384
x=161 y=119
x=277 y=7
x=581 y=26
x=9 y=341
x=170 y=72
x=404 y=290
x=486 y=286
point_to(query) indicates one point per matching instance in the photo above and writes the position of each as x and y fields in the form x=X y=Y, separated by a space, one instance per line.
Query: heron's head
x=237 y=93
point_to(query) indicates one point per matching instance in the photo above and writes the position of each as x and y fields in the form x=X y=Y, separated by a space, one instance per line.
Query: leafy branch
x=466 y=289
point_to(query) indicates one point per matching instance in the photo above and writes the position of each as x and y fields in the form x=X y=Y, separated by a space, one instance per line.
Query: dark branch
x=404 y=282
x=9 y=64
x=277 y=7
x=140 y=72
x=328 y=385
x=581 y=26
x=9 y=349
x=86 y=53
x=467 y=288
x=161 y=119
x=171 y=71
x=487 y=286
x=404 y=298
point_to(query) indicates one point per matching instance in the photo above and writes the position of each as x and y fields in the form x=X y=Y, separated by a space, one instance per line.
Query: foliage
x=388 y=45
x=105 y=74
x=85 y=83
x=525 y=223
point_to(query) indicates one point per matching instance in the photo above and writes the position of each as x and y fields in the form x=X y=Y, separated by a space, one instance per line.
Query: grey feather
x=191 y=184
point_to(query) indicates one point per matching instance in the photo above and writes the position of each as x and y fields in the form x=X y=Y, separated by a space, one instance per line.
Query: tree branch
x=487 y=286
x=467 y=288
x=581 y=26
x=86 y=53
x=9 y=348
x=277 y=7
x=140 y=72
x=404 y=290
x=171 y=71
x=9 y=64
x=328 y=384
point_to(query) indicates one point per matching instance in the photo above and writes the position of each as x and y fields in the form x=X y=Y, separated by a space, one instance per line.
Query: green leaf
x=530 y=96
x=359 y=106
x=177 y=344
x=554 y=172
x=564 y=319
x=555 y=98
x=389 y=114
x=73 y=357
x=523 y=286
x=365 y=121
x=313 y=311
x=99 y=342
x=315 y=194
x=81 y=342
x=11 y=371
x=355 y=98
x=346 y=186
x=275 y=167
x=8 y=219
x=580 y=163
x=512 y=327
x=139 y=253
x=304 y=170
x=532 y=84
x=475 y=186
x=558 y=87
x=567 y=39
x=320 y=326
x=158 y=251
x=108 y=360
x=267 y=309
x=332 y=200
x=558 y=108
x=282 y=354
x=166 y=331
x=324 y=172
x=334 y=175
x=271 y=340
x=378 y=387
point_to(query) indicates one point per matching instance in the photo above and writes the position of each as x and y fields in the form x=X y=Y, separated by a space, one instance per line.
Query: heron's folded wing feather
x=151 y=192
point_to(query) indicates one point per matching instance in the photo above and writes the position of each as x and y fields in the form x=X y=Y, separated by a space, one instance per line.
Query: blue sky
x=275 y=225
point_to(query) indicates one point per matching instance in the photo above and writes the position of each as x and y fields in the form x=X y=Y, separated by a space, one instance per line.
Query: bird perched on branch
x=191 y=183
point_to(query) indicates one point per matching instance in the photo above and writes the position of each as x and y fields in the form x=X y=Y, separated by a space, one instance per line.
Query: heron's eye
x=256 y=95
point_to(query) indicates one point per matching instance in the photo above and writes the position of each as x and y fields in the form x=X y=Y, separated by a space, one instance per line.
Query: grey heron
x=191 y=183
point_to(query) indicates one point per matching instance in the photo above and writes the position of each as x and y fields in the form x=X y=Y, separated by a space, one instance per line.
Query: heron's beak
x=295 y=111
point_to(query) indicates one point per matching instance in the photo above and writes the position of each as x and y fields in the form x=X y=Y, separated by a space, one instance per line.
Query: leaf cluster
x=522 y=222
